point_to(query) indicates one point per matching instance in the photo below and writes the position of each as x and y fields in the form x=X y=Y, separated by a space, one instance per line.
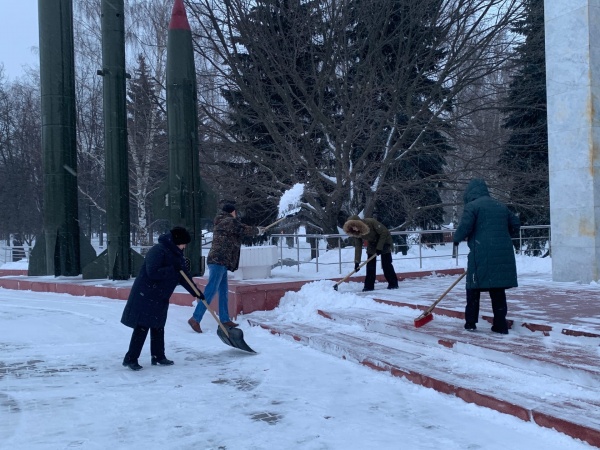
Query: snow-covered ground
x=62 y=384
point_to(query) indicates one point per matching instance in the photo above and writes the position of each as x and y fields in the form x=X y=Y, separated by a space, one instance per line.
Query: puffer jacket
x=227 y=240
x=378 y=238
x=487 y=225
x=148 y=301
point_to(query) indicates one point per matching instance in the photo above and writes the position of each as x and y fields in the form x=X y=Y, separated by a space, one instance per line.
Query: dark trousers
x=388 y=271
x=138 y=337
x=498 y=296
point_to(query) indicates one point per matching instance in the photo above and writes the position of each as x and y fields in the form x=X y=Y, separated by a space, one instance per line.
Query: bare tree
x=477 y=137
x=349 y=98
x=146 y=32
x=147 y=146
x=90 y=121
x=20 y=158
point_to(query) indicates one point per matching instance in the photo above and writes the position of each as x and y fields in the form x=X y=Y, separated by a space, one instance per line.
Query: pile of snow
x=290 y=200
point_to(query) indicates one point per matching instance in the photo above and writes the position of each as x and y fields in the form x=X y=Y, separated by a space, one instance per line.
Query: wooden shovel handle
x=354 y=271
x=193 y=286
x=428 y=310
x=273 y=224
x=279 y=220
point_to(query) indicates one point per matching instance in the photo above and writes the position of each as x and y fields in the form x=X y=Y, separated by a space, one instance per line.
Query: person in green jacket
x=487 y=225
x=379 y=242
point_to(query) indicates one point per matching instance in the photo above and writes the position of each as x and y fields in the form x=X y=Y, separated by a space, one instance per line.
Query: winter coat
x=378 y=237
x=487 y=224
x=228 y=232
x=159 y=275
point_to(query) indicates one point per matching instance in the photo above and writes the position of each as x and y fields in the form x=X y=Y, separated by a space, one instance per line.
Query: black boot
x=500 y=330
x=470 y=326
x=131 y=363
x=161 y=361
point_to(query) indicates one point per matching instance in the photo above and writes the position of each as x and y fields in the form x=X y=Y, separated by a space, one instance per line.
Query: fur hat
x=228 y=208
x=355 y=227
x=180 y=236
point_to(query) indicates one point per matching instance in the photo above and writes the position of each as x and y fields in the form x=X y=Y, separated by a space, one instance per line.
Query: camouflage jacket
x=227 y=240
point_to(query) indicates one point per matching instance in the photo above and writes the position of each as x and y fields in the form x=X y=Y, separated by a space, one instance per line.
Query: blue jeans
x=217 y=282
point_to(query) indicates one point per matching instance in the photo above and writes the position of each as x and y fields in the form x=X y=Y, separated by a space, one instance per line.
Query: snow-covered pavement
x=62 y=386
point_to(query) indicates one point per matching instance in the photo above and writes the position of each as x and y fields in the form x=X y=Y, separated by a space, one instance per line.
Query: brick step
x=531 y=325
x=560 y=357
x=475 y=380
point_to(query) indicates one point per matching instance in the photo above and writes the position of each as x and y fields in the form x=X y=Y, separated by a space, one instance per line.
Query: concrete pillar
x=573 y=88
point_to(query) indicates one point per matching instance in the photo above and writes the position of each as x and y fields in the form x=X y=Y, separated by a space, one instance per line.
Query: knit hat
x=180 y=236
x=228 y=208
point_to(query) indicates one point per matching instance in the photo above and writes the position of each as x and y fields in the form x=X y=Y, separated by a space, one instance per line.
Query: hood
x=355 y=227
x=476 y=188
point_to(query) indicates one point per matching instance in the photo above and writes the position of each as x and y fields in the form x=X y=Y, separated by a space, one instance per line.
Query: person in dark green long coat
x=487 y=225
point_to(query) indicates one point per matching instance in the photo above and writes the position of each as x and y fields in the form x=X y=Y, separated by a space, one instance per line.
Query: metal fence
x=532 y=240
x=302 y=249
x=13 y=254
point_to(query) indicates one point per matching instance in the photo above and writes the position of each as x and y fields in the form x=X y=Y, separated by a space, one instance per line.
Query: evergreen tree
x=349 y=98
x=147 y=142
x=525 y=155
x=410 y=183
x=276 y=123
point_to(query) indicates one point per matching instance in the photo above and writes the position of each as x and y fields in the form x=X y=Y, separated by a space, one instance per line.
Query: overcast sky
x=19 y=38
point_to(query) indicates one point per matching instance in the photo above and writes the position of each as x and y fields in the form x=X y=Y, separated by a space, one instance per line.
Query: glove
x=188 y=264
x=261 y=230
x=378 y=252
x=356 y=266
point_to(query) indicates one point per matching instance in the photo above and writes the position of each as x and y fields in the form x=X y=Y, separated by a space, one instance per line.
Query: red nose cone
x=179 y=19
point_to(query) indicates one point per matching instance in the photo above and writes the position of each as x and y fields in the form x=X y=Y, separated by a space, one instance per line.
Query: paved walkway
x=538 y=304
x=554 y=339
x=554 y=342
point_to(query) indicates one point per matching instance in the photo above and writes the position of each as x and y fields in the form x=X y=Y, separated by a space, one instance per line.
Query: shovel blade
x=423 y=319
x=235 y=339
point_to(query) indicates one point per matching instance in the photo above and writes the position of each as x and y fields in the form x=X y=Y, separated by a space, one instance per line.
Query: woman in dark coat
x=148 y=301
x=487 y=225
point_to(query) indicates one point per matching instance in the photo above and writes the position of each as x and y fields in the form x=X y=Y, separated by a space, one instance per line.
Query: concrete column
x=573 y=88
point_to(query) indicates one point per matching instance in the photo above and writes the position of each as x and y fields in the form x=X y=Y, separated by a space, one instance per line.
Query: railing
x=302 y=249
x=533 y=240
x=13 y=254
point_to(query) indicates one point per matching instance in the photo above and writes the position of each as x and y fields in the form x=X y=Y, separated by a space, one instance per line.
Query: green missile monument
x=57 y=252
x=115 y=139
x=182 y=200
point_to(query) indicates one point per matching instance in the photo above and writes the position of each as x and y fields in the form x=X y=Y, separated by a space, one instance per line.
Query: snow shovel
x=234 y=337
x=276 y=222
x=335 y=286
x=427 y=317
x=293 y=208
x=279 y=220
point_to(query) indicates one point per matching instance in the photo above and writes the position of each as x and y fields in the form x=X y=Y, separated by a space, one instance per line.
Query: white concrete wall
x=573 y=82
